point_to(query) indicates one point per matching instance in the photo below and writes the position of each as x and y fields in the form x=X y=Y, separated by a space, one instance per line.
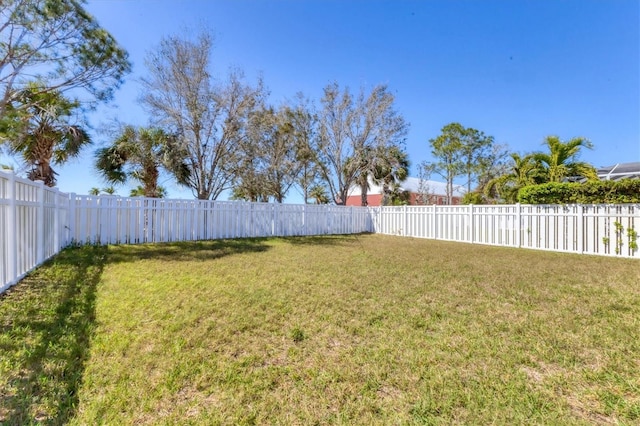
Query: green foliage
x=555 y=165
x=619 y=231
x=109 y=190
x=619 y=239
x=592 y=192
x=59 y=44
x=272 y=155
x=391 y=166
x=560 y=161
x=394 y=195
x=140 y=154
x=632 y=234
x=43 y=128
x=447 y=150
x=474 y=198
x=138 y=191
x=386 y=166
x=462 y=151
x=319 y=194
x=297 y=335
x=522 y=171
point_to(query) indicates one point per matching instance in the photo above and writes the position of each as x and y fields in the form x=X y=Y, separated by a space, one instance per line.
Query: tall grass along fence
x=610 y=230
x=36 y=222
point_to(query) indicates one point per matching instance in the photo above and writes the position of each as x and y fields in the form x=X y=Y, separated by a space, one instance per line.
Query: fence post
x=40 y=223
x=580 y=230
x=71 y=228
x=405 y=220
x=518 y=225
x=304 y=219
x=12 y=240
x=56 y=222
x=471 y=223
x=352 y=226
x=326 y=218
x=274 y=218
x=434 y=219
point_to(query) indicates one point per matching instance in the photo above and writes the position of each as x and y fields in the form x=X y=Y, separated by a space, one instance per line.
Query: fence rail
x=36 y=222
x=609 y=230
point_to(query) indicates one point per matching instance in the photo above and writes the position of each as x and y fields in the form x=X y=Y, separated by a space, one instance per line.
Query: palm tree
x=319 y=193
x=391 y=168
x=94 y=191
x=522 y=172
x=560 y=162
x=139 y=154
x=109 y=190
x=138 y=191
x=363 y=160
x=384 y=166
x=41 y=131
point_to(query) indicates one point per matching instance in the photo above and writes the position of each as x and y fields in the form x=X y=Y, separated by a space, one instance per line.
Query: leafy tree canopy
x=43 y=128
x=60 y=45
x=140 y=154
x=462 y=151
x=561 y=160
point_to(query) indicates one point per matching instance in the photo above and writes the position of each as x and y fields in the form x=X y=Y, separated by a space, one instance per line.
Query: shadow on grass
x=324 y=240
x=186 y=251
x=46 y=325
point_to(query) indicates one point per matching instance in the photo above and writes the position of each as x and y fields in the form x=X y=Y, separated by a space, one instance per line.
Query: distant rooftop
x=620 y=171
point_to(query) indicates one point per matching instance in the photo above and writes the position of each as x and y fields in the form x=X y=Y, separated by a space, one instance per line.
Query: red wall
x=375 y=200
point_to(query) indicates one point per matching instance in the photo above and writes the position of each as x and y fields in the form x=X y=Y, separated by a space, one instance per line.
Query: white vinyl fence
x=610 y=230
x=36 y=222
x=119 y=220
x=33 y=221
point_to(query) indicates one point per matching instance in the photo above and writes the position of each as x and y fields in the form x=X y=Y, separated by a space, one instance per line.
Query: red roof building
x=419 y=193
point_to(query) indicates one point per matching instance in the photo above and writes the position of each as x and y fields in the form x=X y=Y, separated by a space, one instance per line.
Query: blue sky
x=516 y=70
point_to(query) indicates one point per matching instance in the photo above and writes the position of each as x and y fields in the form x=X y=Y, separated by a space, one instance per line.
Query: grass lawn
x=366 y=329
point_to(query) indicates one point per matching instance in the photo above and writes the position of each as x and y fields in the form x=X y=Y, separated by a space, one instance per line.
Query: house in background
x=620 y=171
x=434 y=192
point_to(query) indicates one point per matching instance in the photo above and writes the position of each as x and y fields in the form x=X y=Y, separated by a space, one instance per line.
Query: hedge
x=594 y=192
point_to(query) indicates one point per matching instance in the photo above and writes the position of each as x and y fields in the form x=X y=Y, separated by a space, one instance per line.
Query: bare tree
x=425 y=192
x=209 y=119
x=350 y=129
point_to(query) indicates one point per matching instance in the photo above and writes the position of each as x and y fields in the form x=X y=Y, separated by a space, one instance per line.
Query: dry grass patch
x=363 y=329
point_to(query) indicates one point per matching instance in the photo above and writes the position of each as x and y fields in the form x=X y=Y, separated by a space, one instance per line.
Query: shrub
x=593 y=192
x=473 y=198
